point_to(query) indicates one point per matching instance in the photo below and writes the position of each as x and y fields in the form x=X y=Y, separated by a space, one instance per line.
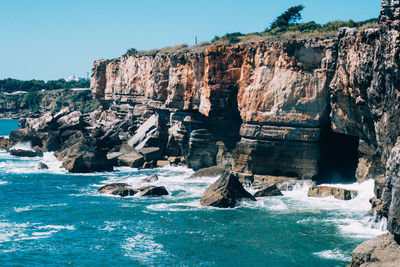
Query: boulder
x=26 y=153
x=162 y=163
x=225 y=192
x=213 y=171
x=132 y=159
x=120 y=189
x=153 y=191
x=4 y=143
x=383 y=250
x=42 y=166
x=269 y=191
x=81 y=158
x=150 y=179
x=150 y=153
x=327 y=191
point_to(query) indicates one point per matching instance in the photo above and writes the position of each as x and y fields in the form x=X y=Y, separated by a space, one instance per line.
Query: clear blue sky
x=51 y=39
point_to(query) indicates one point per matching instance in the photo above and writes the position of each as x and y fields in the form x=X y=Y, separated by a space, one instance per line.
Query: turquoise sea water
x=54 y=218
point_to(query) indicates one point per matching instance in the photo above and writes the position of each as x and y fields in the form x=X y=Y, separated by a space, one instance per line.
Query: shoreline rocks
x=225 y=192
x=120 y=189
x=269 y=191
x=327 y=191
x=26 y=153
x=382 y=251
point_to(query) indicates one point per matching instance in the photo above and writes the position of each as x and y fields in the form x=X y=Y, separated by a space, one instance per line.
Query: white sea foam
x=12 y=232
x=23 y=146
x=2 y=182
x=143 y=248
x=31 y=207
x=333 y=254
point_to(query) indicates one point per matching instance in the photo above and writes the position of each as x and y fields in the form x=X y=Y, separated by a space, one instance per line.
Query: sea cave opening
x=338 y=158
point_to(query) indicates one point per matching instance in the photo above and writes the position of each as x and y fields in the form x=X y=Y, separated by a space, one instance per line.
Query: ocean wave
x=31 y=207
x=333 y=254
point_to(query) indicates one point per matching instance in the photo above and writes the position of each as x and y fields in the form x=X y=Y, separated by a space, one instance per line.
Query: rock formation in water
x=324 y=107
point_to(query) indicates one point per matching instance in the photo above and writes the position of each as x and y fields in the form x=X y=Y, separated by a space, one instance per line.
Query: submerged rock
x=208 y=172
x=120 y=189
x=151 y=179
x=26 y=153
x=327 y=191
x=269 y=191
x=383 y=250
x=153 y=191
x=225 y=192
x=42 y=166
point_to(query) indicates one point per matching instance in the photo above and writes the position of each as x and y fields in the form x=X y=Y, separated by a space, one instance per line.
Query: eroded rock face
x=327 y=191
x=383 y=250
x=225 y=192
x=391 y=193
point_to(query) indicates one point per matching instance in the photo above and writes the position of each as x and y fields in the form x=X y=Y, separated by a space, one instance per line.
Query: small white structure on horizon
x=75 y=78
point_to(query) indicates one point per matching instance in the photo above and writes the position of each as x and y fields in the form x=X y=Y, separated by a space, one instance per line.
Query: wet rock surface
x=225 y=192
x=151 y=179
x=153 y=191
x=327 y=191
x=269 y=191
x=120 y=189
x=26 y=153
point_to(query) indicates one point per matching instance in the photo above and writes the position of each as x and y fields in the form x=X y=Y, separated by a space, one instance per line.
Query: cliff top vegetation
x=285 y=27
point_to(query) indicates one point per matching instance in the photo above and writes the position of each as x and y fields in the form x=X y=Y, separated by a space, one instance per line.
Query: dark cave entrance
x=338 y=158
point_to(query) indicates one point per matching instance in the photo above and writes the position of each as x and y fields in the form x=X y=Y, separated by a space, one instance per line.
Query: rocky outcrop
x=153 y=191
x=225 y=192
x=269 y=191
x=380 y=251
x=120 y=189
x=327 y=191
x=43 y=166
x=151 y=179
x=26 y=153
x=213 y=171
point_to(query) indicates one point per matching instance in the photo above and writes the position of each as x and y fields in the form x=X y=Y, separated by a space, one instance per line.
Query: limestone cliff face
x=272 y=108
x=275 y=89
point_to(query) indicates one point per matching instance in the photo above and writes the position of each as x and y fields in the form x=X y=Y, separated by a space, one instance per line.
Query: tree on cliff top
x=286 y=19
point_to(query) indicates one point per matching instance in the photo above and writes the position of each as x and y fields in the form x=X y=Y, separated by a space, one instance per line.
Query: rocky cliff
x=303 y=108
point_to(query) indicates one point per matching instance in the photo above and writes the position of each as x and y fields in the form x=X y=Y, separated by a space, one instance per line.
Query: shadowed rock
x=120 y=189
x=269 y=191
x=208 y=172
x=42 y=166
x=153 y=191
x=26 y=153
x=327 y=191
x=225 y=192
x=150 y=179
